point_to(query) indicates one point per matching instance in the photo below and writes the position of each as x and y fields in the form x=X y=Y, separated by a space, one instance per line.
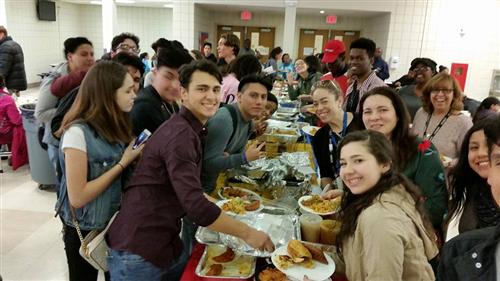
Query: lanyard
x=438 y=127
x=333 y=142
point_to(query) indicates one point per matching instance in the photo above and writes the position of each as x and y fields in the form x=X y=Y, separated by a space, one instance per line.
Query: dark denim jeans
x=126 y=266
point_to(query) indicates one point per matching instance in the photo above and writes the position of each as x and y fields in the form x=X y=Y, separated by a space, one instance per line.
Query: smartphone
x=144 y=136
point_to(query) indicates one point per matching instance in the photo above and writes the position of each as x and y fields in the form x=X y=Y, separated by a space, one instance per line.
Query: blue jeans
x=126 y=266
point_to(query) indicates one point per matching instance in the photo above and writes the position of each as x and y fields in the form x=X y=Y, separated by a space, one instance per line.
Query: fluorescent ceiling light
x=95 y=2
x=321 y=12
x=169 y=5
x=125 y=1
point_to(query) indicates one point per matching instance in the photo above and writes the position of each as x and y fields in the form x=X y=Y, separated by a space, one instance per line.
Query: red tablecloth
x=189 y=272
x=190 y=275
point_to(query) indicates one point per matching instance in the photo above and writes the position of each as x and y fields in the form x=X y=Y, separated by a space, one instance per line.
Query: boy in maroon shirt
x=144 y=238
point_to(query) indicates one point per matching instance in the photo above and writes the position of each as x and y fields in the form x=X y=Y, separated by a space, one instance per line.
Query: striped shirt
x=371 y=82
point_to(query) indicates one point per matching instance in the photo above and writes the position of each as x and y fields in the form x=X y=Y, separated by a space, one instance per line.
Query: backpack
x=62 y=108
x=234 y=118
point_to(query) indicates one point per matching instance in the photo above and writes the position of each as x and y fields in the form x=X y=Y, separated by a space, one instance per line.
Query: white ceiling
x=238 y=8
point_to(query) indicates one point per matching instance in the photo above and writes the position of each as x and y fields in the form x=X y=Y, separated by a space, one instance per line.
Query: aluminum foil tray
x=281 y=223
x=281 y=229
x=230 y=269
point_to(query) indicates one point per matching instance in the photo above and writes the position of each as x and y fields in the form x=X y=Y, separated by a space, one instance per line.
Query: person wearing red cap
x=334 y=58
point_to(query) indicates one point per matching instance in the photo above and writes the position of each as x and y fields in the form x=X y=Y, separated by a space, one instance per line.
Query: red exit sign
x=331 y=19
x=246 y=15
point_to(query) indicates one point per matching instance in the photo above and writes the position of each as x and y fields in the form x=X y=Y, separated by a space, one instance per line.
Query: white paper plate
x=318 y=273
x=307 y=197
x=309 y=130
x=221 y=203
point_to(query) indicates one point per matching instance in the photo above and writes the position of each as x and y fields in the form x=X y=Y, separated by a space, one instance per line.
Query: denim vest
x=101 y=157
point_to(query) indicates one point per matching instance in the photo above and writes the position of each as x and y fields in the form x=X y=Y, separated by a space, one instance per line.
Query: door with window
x=312 y=41
x=262 y=39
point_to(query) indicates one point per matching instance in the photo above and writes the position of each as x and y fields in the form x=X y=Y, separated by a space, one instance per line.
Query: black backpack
x=62 y=108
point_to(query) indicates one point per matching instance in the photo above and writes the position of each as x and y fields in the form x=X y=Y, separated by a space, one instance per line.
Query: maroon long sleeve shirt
x=164 y=188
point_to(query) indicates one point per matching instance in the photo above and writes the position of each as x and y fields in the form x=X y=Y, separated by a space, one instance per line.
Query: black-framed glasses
x=128 y=48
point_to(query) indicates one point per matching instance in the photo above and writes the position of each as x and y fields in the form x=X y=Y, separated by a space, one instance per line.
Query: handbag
x=94 y=248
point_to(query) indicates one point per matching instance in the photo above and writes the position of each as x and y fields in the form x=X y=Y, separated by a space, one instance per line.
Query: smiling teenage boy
x=144 y=238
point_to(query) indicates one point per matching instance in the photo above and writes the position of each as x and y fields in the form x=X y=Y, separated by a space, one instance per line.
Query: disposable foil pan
x=280 y=228
x=269 y=213
x=232 y=268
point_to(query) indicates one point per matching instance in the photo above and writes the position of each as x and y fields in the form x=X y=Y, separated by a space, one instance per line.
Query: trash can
x=41 y=168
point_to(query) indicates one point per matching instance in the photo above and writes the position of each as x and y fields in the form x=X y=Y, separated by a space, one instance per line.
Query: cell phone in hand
x=144 y=136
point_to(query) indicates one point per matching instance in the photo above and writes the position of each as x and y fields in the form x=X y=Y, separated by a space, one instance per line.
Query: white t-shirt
x=74 y=138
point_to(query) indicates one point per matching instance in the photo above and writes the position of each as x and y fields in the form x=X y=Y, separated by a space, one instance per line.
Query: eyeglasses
x=128 y=48
x=444 y=91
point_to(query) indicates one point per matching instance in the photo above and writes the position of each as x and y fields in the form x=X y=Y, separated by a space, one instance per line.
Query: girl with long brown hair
x=94 y=156
x=384 y=234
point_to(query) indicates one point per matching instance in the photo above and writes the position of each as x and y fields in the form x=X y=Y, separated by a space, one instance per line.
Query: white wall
x=203 y=22
x=377 y=29
x=432 y=31
x=148 y=24
x=41 y=41
x=91 y=26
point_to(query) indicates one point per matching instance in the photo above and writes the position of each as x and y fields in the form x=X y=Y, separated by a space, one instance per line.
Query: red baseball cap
x=333 y=49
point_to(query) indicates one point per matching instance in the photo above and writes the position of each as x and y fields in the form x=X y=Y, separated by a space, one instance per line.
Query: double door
x=313 y=41
x=261 y=38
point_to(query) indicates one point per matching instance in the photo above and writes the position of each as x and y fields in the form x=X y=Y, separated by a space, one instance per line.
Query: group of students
x=446 y=166
x=160 y=185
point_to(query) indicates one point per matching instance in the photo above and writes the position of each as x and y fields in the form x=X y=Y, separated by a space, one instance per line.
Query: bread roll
x=297 y=251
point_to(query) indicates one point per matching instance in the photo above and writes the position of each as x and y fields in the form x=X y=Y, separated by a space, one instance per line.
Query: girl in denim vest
x=94 y=155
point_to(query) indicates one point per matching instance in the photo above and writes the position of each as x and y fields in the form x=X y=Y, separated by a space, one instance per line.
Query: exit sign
x=331 y=19
x=246 y=15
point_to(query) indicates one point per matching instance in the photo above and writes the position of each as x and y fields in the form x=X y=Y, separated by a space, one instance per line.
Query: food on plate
x=284 y=261
x=272 y=274
x=301 y=254
x=313 y=131
x=320 y=205
x=227 y=256
x=297 y=251
x=316 y=253
x=240 y=206
x=231 y=192
x=252 y=206
x=215 y=270
x=285 y=132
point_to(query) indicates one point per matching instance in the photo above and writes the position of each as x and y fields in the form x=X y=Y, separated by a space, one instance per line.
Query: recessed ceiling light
x=321 y=12
x=125 y=1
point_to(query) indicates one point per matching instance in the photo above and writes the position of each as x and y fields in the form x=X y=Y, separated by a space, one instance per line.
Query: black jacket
x=12 y=64
x=150 y=111
x=470 y=256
